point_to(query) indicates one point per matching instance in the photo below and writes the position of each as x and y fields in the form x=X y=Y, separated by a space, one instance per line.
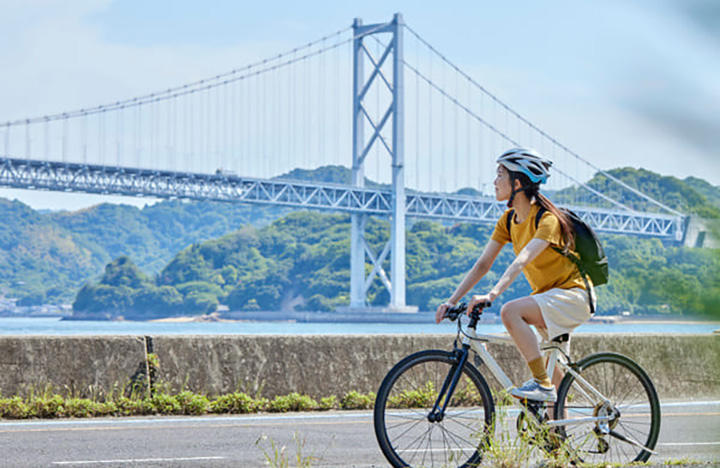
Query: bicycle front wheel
x=633 y=407
x=405 y=399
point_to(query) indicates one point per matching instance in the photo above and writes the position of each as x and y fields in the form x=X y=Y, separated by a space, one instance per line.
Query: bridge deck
x=88 y=178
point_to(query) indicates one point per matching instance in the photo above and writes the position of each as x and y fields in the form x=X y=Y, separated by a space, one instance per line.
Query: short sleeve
x=548 y=229
x=501 y=234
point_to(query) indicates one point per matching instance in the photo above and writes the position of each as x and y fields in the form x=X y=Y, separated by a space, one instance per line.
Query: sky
x=623 y=83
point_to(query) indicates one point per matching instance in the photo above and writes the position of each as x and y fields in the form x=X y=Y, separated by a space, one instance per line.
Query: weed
x=506 y=449
x=415 y=398
x=192 y=403
x=14 y=408
x=683 y=461
x=237 y=402
x=165 y=404
x=355 y=400
x=125 y=406
x=503 y=398
x=46 y=406
x=105 y=408
x=79 y=407
x=292 y=402
x=277 y=457
x=328 y=403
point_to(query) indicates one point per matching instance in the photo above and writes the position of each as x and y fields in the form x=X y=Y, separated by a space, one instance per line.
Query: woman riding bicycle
x=559 y=301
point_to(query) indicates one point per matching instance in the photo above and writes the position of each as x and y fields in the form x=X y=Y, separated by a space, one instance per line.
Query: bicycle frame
x=477 y=342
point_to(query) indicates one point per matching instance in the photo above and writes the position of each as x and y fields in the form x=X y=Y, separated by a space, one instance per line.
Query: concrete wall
x=682 y=365
x=70 y=365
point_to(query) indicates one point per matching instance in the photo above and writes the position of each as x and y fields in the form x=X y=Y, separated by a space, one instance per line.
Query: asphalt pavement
x=690 y=430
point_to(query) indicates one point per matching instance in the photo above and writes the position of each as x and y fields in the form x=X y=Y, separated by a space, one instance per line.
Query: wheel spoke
x=406 y=435
x=625 y=385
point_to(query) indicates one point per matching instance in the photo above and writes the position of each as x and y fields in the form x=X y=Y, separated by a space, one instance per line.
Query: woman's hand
x=442 y=308
x=479 y=299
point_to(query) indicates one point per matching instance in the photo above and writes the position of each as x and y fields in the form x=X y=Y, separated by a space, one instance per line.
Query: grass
x=506 y=449
x=49 y=405
x=277 y=456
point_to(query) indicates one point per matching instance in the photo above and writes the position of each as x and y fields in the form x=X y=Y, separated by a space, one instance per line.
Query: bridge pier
x=698 y=233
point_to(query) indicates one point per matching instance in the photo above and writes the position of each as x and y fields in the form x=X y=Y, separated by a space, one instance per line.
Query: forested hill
x=301 y=261
x=47 y=257
x=688 y=196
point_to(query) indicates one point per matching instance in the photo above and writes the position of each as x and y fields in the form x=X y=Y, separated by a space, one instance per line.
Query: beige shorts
x=563 y=310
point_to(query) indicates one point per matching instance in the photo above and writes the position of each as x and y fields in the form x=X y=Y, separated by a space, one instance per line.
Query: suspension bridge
x=377 y=99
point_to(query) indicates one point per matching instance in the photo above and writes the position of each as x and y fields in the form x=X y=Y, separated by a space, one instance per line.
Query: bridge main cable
x=199 y=85
x=540 y=131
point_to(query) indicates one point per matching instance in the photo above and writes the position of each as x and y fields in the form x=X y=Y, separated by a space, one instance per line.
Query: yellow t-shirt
x=550 y=269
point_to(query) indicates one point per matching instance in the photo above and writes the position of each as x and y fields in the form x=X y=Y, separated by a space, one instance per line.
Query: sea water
x=55 y=326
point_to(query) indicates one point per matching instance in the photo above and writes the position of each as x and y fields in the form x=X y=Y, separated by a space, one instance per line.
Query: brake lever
x=453 y=313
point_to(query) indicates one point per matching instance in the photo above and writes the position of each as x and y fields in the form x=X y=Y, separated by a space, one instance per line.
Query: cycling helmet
x=527 y=161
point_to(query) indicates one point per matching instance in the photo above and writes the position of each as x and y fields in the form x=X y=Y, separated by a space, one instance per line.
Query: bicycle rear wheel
x=406 y=397
x=634 y=406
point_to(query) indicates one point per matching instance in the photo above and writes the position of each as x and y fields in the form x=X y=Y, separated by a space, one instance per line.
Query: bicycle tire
x=630 y=391
x=404 y=399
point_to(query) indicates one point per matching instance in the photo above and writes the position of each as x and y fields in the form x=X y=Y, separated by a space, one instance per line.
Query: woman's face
x=502 y=184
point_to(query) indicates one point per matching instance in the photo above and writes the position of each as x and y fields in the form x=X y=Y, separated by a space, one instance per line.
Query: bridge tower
x=359 y=281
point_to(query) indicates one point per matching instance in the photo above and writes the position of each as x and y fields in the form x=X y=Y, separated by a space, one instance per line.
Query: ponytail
x=532 y=191
x=566 y=228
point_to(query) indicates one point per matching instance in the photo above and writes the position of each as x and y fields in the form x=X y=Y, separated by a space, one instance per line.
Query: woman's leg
x=518 y=315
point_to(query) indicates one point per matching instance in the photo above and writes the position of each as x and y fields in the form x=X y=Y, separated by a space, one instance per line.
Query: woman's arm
x=481 y=267
x=526 y=255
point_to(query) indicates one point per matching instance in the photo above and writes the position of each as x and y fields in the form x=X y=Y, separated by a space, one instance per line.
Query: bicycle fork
x=448 y=389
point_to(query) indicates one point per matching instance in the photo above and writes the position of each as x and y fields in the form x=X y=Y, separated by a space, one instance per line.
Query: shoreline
x=375 y=318
x=607 y=320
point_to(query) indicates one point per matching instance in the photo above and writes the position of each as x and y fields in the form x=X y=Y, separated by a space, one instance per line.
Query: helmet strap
x=514 y=191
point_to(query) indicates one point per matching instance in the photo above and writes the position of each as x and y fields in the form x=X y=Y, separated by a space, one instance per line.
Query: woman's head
x=524 y=170
x=527 y=162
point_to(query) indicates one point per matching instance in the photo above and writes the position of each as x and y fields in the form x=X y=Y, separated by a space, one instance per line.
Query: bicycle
x=435 y=408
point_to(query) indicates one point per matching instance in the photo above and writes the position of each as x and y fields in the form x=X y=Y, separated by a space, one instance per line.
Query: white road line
x=689 y=403
x=171 y=419
x=264 y=417
x=672 y=444
x=136 y=460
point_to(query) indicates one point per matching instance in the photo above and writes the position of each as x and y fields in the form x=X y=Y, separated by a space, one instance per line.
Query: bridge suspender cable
x=199 y=84
x=541 y=132
x=509 y=139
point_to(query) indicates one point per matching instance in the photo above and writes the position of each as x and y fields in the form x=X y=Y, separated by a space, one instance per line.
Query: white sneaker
x=532 y=390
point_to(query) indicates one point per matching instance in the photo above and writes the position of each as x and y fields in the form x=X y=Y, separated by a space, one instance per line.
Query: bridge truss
x=88 y=178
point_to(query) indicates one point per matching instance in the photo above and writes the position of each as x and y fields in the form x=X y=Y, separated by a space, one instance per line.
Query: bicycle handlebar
x=453 y=313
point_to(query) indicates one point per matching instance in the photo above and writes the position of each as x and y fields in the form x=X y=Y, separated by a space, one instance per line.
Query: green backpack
x=590 y=259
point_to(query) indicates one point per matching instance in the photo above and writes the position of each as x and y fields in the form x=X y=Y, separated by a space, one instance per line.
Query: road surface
x=338 y=439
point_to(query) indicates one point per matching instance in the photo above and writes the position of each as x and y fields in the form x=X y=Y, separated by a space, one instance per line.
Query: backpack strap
x=508 y=222
x=539 y=214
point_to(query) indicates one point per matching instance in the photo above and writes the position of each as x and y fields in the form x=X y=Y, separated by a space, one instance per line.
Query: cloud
x=60 y=60
x=673 y=85
x=705 y=14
